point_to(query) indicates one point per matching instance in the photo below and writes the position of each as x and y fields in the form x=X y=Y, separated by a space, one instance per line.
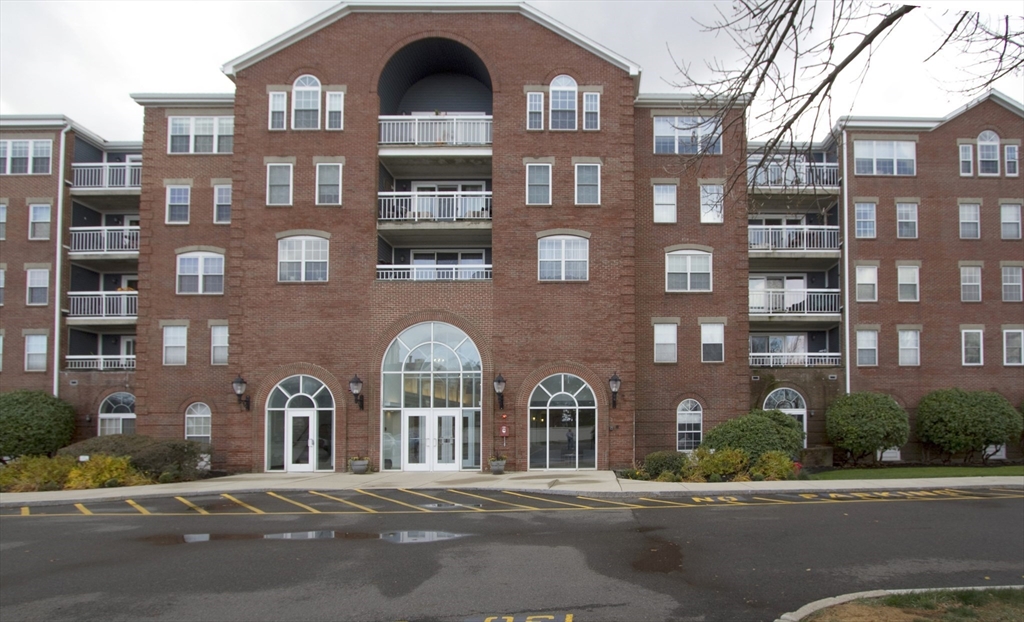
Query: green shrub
x=966 y=422
x=34 y=423
x=705 y=464
x=668 y=476
x=154 y=457
x=634 y=473
x=864 y=423
x=102 y=471
x=757 y=432
x=32 y=473
x=656 y=463
x=772 y=466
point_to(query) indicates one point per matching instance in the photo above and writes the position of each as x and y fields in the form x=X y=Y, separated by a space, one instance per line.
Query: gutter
x=846 y=259
x=58 y=275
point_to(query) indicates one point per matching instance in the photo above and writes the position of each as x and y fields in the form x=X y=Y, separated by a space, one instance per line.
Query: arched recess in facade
x=435 y=74
x=791 y=402
x=300 y=426
x=563 y=424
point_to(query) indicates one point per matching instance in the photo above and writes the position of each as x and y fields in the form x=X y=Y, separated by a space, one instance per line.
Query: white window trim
x=705 y=340
x=675 y=203
x=338 y=96
x=1015 y=159
x=903 y=220
x=302 y=259
x=341 y=173
x=997 y=158
x=680 y=413
x=32 y=221
x=597 y=99
x=689 y=273
x=201 y=284
x=576 y=188
x=319 y=101
x=1003 y=221
x=916 y=282
x=270 y=111
x=874 y=281
x=3 y=221
x=1006 y=333
x=7 y=147
x=674 y=329
x=46 y=349
x=866 y=348
x=967 y=157
x=216 y=202
x=962 y=222
x=562 y=260
x=29 y=287
x=167 y=206
x=1019 y=284
x=550 y=183
x=916 y=348
x=184 y=347
x=192 y=135
x=963 y=272
x=194 y=412
x=575 y=105
x=963 y=347
x=873 y=220
x=291 y=184
x=214 y=345
x=539 y=95
x=875 y=159
x=707 y=216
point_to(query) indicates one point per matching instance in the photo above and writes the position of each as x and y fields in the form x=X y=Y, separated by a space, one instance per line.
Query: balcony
x=472 y=272
x=433 y=206
x=112 y=307
x=796 y=175
x=441 y=131
x=105 y=242
x=95 y=362
x=107 y=175
x=795 y=302
x=793 y=238
x=796 y=359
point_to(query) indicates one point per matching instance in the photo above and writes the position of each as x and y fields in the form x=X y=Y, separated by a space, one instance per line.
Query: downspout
x=846 y=263
x=58 y=276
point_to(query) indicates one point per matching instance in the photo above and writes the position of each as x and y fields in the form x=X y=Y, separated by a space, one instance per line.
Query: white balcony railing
x=797 y=175
x=103 y=304
x=796 y=359
x=107 y=175
x=104 y=239
x=418 y=206
x=434 y=131
x=476 y=272
x=794 y=301
x=792 y=238
x=101 y=363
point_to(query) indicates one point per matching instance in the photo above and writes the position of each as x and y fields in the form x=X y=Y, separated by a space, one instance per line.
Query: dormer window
x=306 y=103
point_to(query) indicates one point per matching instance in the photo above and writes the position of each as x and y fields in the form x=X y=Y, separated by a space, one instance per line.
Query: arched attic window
x=306 y=103
x=563 y=103
x=988 y=153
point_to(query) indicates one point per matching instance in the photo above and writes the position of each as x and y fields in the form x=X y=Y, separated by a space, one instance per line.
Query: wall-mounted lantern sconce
x=356 y=387
x=238 y=385
x=614 y=383
x=499 y=389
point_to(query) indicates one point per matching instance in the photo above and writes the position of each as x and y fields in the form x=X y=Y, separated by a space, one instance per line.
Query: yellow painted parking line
x=301 y=505
x=438 y=499
x=25 y=511
x=574 y=505
x=408 y=505
x=340 y=500
x=775 y=500
x=515 y=505
x=192 y=506
x=83 y=509
x=627 y=505
x=671 y=503
x=243 y=504
x=138 y=507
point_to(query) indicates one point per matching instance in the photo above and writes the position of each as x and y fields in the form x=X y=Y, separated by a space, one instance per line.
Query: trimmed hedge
x=175 y=460
x=658 y=462
x=966 y=422
x=34 y=423
x=864 y=423
x=757 y=432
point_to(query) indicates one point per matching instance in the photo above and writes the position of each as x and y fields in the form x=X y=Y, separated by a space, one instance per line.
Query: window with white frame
x=966 y=160
x=328 y=184
x=665 y=202
x=306 y=103
x=688 y=271
x=225 y=134
x=908 y=280
x=302 y=258
x=563 y=103
x=177 y=205
x=198 y=418
x=885 y=157
x=278 y=108
x=117 y=414
x=867 y=283
x=200 y=273
x=39 y=222
x=970 y=221
x=535 y=111
x=591 y=111
x=37 y=286
x=867 y=348
x=218 y=345
x=175 y=345
x=3 y=284
x=222 y=205
x=972 y=347
x=3 y=221
x=538 y=184
x=689 y=420
x=279 y=184
x=1012 y=153
x=25 y=157
x=335 y=119
x=988 y=153
x=906 y=220
x=910 y=348
x=1009 y=217
x=970 y=283
x=864 y=220
x=688 y=135
x=665 y=343
x=563 y=258
x=35 y=352
x=1 y=351
x=200 y=134
x=712 y=203
x=712 y=343
x=1013 y=343
x=1012 y=286
x=588 y=184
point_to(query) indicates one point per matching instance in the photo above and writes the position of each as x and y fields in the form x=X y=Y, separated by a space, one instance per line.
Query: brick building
x=373 y=249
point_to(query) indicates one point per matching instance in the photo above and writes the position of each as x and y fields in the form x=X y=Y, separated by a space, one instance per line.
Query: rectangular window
x=39 y=222
x=175 y=344
x=588 y=184
x=222 y=205
x=279 y=184
x=688 y=425
x=864 y=220
x=665 y=203
x=538 y=184
x=203 y=134
x=906 y=220
x=218 y=345
x=591 y=111
x=867 y=348
x=1012 y=160
x=328 y=184
x=37 y=287
x=988 y=158
x=225 y=134
x=867 y=283
x=35 y=352
x=3 y=285
x=712 y=343
x=1013 y=341
x=177 y=204
x=302 y=258
x=335 y=110
x=278 y=108
x=665 y=343
x=198 y=427
x=41 y=157
x=1009 y=216
x=563 y=109
x=687 y=135
x=712 y=203
x=563 y=258
x=885 y=157
x=966 y=160
x=910 y=348
x=25 y=157
x=688 y=271
x=535 y=111
x=200 y=273
x=200 y=134
x=970 y=221
x=970 y=284
x=3 y=221
x=909 y=283
x=972 y=347
x=1012 y=283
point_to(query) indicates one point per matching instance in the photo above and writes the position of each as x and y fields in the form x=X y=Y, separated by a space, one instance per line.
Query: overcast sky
x=83 y=58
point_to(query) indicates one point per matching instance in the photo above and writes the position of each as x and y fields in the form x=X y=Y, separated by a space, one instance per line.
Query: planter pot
x=359 y=466
x=497 y=467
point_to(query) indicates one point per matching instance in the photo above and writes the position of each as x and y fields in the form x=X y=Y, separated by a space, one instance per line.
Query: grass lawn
x=997 y=605
x=916 y=472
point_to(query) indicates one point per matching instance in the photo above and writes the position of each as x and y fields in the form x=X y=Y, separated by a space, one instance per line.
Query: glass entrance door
x=432 y=439
x=299 y=441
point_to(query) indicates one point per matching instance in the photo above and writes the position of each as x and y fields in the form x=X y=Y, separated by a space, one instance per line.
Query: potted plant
x=497 y=463
x=359 y=464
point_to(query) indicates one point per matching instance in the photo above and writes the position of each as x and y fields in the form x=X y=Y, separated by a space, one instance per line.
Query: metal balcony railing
x=796 y=359
x=107 y=175
x=104 y=239
x=794 y=301
x=435 y=131
x=418 y=206
x=103 y=304
x=101 y=363
x=792 y=238
x=477 y=272
x=797 y=174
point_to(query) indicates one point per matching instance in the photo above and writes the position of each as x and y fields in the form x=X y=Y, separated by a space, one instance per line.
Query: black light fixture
x=499 y=388
x=238 y=385
x=356 y=387
x=614 y=383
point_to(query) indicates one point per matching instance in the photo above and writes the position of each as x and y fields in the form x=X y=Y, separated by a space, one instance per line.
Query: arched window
x=988 y=153
x=563 y=258
x=791 y=403
x=198 y=422
x=563 y=424
x=302 y=258
x=306 y=103
x=117 y=414
x=563 y=103
x=300 y=426
x=200 y=273
x=689 y=425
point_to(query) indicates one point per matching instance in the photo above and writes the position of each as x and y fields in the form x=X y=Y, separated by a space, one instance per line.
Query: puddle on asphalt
x=659 y=556
x=397 y=537
x=452 y=505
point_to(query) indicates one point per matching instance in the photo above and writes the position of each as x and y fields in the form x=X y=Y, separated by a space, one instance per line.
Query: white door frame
x=434 y=447
x=310 y=464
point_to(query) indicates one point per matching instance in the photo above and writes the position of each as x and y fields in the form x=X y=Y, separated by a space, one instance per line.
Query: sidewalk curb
x=825 y=603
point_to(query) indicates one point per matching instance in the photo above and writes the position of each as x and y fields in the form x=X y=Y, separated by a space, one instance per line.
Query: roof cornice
x=212 y=100
x=59 y=121
x=684 y=100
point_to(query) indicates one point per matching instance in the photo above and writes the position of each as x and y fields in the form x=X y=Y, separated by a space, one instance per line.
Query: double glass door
x=433 y=439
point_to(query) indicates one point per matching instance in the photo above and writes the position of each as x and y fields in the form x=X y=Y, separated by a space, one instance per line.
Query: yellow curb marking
x=393 y=501
x=573 y=505
x=301 y=505
x=627 y=505
x=340 y=500
x=25 y=511
x=83 y=509
x=243 y=504
x=515 y=505
x=191 y=505
x=413 y=492
x=671 y=503
x=138 y=507
x=774 y=500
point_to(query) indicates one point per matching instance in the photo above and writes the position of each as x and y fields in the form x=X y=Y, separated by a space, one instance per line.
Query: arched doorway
x=563 y=424
x=430 y=400
x=300 y=426
x=791 y=403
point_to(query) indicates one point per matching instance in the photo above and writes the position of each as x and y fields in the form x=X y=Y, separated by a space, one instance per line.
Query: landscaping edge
x=825 y=603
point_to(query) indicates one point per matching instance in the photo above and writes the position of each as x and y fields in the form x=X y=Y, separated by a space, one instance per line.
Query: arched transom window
x=117 y=414
x=198 y=419
x=689 y=423
x=300 y=425
x=791 y=403
x=306 y=103
x=563 y=103
x=563 y=424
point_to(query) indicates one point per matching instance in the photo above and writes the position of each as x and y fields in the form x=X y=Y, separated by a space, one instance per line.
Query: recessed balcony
x=103 y=308
x=435 y=218
x=796 y=176
x=105 y=242
x=795 y=239
x=812 y=303
x=796 y=359
x=95 y=362
x=107 y=176
x=436 y=131
x=468 y=272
